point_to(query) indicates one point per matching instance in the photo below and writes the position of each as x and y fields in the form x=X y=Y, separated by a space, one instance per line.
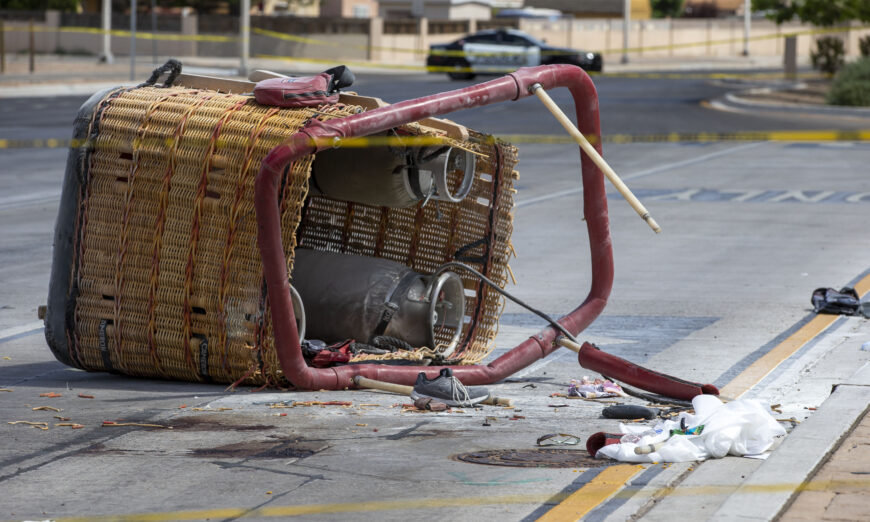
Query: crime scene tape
x=427 y=141
x=314 y=41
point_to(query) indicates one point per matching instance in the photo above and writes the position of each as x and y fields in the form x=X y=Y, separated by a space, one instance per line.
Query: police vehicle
x=502 y=50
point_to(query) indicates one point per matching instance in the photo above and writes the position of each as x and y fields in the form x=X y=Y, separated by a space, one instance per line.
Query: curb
x=802 y=453
x=739 y=102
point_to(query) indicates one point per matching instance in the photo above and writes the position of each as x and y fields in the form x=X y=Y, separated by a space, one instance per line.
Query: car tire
x=462 y=75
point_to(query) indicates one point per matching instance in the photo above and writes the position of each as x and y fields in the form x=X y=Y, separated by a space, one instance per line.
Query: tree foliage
x=823 y=13
x=667 y=8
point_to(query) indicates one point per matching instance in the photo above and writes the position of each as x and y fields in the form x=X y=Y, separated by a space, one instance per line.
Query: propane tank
x=393 y=176
x=349 y=296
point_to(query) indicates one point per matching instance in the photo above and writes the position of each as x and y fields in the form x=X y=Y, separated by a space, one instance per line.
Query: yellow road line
x=585 y=499
x=769 y=361
x=315 y=509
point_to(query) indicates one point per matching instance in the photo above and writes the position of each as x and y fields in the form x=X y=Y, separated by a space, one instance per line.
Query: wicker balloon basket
x=156 y=270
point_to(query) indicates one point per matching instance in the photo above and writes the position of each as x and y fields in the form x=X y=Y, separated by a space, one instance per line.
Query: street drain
x=541 y=458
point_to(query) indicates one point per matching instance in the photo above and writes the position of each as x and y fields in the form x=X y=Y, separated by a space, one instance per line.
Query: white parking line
x=646 y=172
x=16 y=330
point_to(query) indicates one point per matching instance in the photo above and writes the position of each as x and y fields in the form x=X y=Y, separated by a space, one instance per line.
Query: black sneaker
x=447 y=389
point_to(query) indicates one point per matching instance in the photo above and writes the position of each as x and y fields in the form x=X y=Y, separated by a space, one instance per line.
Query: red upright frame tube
x=311 y=139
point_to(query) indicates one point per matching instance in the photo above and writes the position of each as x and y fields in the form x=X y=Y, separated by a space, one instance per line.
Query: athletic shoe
x=448 y=389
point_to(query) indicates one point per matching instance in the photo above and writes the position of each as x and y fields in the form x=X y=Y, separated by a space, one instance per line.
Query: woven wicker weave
x=167 y=276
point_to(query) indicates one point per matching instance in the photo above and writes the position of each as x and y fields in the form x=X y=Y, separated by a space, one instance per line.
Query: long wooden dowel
x=596 y=158
x=364 y=382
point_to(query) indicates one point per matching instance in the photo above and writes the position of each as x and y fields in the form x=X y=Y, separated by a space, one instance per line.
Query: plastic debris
x=46 y=408
x=552 y=439
x=741 y=427
x=839 y=302
x=83 y=396
x=594 y=389
x=6 y=390
x=50 y=394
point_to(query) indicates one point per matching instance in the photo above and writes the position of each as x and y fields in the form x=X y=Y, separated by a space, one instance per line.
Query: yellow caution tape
x=443 y=52
x=427 y=141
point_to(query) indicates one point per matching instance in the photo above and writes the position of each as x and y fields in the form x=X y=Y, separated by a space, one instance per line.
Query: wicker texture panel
x=167 y=272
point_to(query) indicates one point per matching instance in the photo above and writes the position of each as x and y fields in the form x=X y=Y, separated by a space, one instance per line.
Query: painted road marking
x=646 y=172
x=9 y=333
x=859 y=484
x=605 y=485
x=751 y=195
x=768 y=362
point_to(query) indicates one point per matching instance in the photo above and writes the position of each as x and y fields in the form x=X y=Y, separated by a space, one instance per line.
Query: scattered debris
x=210 y=409
x=5 y=389
x=532 y=386
x=113 y=424
x=64 y=419
x=428 y=403
x=361 y=424
x=7 y=358
x=516 y=417
x=50 y=394
x=182 y=406
x=71 y=425
x=741 y=427
x=47 y=408
x=40 y=425
x=629 y=411
x=594 y=388
x=310 y=403
x=842 y=302
x=83 y=396
x=551 y=439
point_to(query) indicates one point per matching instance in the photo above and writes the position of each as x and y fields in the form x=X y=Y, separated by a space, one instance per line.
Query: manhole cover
x=541 y=458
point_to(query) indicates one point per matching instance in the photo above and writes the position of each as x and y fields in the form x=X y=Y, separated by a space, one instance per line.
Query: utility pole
x=107 y=29
x=132 y=40
x=747 y=20
x=626 y=22
x=245 y=23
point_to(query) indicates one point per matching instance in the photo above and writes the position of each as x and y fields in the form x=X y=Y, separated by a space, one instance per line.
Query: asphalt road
x=627 y=105
x=750 y=229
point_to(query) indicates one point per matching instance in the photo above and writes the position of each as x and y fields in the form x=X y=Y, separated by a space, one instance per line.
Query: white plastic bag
x=740 y=427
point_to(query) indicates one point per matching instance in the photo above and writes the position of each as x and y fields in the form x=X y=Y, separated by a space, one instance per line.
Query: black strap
x=461 y=257
x=172 y=66
x=391 y=304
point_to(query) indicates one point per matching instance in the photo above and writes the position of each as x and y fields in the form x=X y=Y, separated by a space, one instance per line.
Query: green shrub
x=864 y=45
x=829 y=54
x=851 y=86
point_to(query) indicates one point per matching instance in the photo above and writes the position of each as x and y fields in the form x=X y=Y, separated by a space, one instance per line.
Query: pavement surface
x=722 y=297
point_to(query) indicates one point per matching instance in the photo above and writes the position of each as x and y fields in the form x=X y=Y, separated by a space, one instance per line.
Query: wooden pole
x=364 y=382
x=596 y=158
